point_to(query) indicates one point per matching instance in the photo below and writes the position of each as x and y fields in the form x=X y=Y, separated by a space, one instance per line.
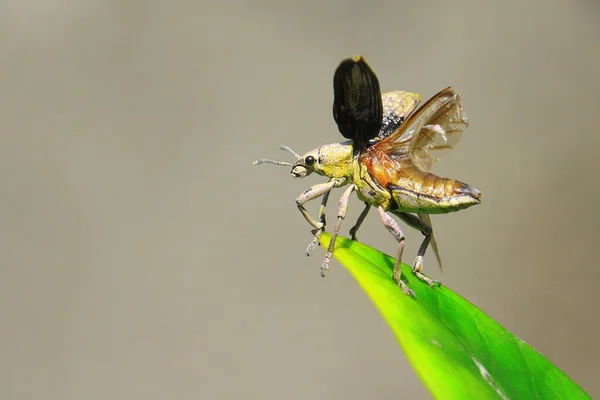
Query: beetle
x=386 y=160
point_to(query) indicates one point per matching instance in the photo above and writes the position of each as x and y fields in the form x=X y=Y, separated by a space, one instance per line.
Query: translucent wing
x=429 y=132
x=397 y=106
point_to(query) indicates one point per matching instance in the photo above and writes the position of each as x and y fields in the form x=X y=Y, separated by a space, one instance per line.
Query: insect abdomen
x=424 y=192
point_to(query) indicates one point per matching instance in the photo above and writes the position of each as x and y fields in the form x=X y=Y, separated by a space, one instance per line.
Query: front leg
x=427 y=231
x=317 y=232
x=312 y=193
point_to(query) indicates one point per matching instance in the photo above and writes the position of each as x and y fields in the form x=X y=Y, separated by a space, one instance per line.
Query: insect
x=386 y=161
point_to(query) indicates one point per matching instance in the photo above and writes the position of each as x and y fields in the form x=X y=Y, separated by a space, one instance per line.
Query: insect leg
x=342 y=208
x=359 y=221
x=433 y=243
x=419 y=224
x=392 y=226
x=318 y=232
x=311 y=194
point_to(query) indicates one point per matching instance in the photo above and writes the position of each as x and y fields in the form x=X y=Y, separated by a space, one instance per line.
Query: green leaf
x=457 y=350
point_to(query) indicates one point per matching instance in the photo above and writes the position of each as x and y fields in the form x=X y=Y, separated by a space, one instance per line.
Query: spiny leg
x=392 y=226
x=342 y=208
x=359 y=221
x=426 y=230
x=318 y=232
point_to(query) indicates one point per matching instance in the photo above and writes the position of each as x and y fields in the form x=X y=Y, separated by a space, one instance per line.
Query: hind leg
x=392 y=226
x=419 y=224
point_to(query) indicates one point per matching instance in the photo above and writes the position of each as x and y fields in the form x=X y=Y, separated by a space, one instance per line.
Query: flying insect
x=386 y=160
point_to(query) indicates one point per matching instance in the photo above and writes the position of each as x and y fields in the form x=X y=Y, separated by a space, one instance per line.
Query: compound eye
x=310 y=160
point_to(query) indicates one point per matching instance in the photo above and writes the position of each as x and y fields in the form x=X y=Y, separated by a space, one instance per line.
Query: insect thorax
x=367 y=189
x=335 y=160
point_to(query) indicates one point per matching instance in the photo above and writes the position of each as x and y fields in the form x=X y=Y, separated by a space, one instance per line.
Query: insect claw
x=405 y=289
x=310 y=248
x=427 y=280
x=325 y=266
x=312 y=245
x=418 y=267
x=315 y=242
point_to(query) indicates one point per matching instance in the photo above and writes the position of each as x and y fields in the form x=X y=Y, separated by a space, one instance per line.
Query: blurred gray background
x=143 y=257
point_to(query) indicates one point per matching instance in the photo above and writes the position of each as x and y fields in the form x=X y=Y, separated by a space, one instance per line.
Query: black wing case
x=357 y=104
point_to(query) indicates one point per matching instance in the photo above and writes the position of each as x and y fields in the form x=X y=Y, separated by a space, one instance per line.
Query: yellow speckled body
x=414 y=190
x=393 y=171
x=335 y=159
x=395 y=184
